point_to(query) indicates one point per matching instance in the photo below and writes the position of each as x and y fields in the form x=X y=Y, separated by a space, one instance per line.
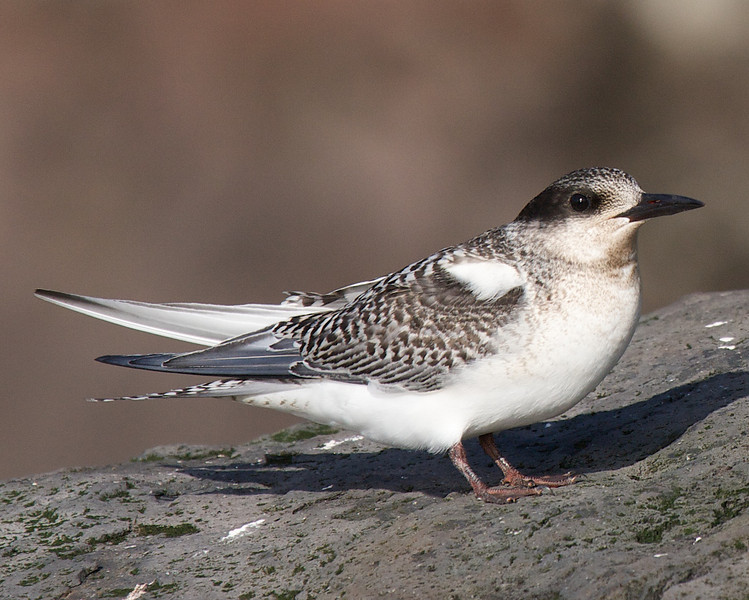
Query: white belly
x=543 y=368
x=560 y=367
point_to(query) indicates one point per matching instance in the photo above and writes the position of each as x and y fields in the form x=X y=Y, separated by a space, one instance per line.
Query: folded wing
x=204 y=324
x=409 y=330
x=257 y=355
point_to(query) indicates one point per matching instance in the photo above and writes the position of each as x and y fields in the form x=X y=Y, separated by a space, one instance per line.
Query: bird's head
x=593 y=214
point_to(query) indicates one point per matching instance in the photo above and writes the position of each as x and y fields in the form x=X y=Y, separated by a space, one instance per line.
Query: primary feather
x=204 y=324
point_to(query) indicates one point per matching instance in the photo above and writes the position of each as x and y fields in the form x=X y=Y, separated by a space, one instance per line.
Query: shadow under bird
x=512 y=327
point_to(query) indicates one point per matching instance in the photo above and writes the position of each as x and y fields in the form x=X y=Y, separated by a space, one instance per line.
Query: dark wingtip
x=45 y=294
x=153 y=362
x=60 y=297
x=116 y=359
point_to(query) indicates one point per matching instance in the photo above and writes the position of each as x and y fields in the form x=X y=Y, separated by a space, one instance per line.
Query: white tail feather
x=222 y=388
x=205 y=324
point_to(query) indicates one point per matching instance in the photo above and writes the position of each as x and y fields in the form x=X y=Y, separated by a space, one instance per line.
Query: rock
x=662 y=510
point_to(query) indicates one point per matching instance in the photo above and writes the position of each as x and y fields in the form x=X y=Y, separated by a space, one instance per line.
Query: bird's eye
x=580 y=202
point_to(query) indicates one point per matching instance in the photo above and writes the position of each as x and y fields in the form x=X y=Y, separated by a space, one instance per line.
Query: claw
x=504 y=495
x=548 y=481
x=514 y=486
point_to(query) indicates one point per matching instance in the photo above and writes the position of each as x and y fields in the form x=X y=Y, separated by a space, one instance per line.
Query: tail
x=223 y=388
x=204 y=324
x=257 y=362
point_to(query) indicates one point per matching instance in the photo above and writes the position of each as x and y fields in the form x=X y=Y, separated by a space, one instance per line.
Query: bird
x=510 y=328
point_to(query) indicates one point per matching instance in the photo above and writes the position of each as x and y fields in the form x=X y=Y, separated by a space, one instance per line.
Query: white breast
x=546 y=362
x=575 y=342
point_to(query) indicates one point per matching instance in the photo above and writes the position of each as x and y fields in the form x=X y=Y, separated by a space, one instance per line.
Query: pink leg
x=483 y=492
x=515 y=478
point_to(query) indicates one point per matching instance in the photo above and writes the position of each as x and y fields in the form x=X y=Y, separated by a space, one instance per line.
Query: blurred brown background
x=225 y=151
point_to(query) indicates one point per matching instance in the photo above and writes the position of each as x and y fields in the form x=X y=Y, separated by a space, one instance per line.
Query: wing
x=408 y=330
x=258 y=355
x=205 y=324
x=411 y=329
x=332 y=300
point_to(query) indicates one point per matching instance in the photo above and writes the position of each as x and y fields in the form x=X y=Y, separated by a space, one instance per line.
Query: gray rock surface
x=661 y=512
